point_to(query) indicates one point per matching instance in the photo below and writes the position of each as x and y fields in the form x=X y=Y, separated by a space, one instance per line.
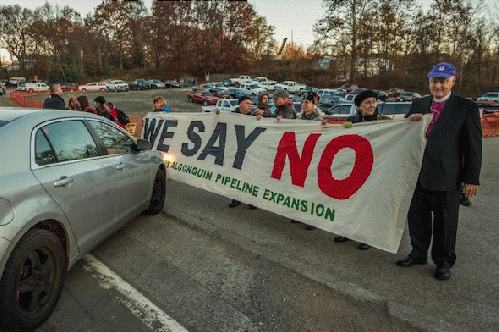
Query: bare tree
x=14 y=24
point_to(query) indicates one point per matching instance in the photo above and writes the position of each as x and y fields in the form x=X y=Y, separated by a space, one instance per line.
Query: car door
x=135 y=169
x=69 y=165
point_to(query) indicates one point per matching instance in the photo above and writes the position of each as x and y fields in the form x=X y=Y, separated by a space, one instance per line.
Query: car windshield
x=343 y=110
x=207 y=94
x=3 y=123
x=233 y=102
x=396 y=108
x=253 y=86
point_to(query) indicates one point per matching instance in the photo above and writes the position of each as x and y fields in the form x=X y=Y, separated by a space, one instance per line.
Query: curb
x=348 y=289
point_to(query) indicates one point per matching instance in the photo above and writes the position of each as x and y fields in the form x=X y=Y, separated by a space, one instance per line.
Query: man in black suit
x=453 y=154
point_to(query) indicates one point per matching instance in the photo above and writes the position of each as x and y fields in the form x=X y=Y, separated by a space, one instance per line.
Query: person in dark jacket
x=453 y=155
x=284 y=105
x=55 y=101
x=262 y=108
x=367 y=110
x=244 y=108
x=102 y=109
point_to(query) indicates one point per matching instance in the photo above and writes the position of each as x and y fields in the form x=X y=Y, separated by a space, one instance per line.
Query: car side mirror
x=143 y=144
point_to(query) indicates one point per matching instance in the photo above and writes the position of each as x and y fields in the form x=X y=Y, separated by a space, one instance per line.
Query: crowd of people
x=451 y=163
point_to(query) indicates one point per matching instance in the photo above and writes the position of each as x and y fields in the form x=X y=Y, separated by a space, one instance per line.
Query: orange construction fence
x=21 y=100
x=490 y=124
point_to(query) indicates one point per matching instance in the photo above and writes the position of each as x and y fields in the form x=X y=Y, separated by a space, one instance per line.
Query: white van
x=37 y=87
x=15 y=81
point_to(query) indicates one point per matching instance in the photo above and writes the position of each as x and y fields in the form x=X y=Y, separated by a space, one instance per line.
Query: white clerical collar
x=442 y=99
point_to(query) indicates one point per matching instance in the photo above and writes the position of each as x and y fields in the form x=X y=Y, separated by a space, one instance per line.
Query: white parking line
x=138 y=304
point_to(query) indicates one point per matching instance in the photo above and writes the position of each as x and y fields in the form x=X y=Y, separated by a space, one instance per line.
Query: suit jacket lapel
x=446 y=112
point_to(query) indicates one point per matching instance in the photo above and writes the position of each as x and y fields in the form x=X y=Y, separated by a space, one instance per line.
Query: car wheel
x=158 y=194
x=84 y=90
x=32 y=280
x=190 y=100
x=205 y=103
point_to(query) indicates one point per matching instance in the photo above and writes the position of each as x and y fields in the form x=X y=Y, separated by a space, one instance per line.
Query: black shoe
x=234 y=203
x=364 y=246
x=464 y=201
x=293 y=221
x=409 y=261
x=252 y=207
x=340 y=239
x=310 y=228
x=442 y=273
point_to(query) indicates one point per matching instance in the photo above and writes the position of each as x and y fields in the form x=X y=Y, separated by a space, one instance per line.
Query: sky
x=292 y=19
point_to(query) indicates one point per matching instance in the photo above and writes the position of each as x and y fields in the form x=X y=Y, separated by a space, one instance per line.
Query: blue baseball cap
x=443 y=69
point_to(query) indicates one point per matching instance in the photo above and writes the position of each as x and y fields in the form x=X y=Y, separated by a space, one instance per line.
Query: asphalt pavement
x=469 y=301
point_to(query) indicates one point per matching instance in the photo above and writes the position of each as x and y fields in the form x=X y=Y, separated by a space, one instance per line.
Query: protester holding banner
x=284 y=105
x=309 y=110
x=453 y=154
x=262 y=108
x=367 y=110
x=245 y=104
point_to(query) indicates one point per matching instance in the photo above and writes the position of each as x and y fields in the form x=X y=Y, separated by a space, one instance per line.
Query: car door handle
x=63 y=181
x=120 y=166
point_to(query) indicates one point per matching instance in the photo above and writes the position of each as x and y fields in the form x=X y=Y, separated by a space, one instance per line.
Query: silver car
x=68 y=179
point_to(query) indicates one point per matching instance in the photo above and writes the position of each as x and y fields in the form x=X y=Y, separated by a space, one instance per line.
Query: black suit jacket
x=453 y=151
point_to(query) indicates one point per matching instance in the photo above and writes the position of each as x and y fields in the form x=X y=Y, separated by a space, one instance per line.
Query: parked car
x=348 y=87
x=251 y=89
x=323 y=92
x=156 y=84
x=489 y=96
x=308 y=89
x=240 y=80
x=341 y=111
x=36 y=87
x=21 y=87
x=488 y=107
x=290 y=86
x=220 y=93
x=235 y=93
x=227 y=105
x=394 y=110
x=382 y=95
x=93 y=86
x=117 y=85
x=394 y=92
x=74 y=178
x=69 y=86
x=268 y=86
x=15 y=81
x=202 y=96
x=408 y=96
x=172 y=84
x=328 y=101
x=139 y=84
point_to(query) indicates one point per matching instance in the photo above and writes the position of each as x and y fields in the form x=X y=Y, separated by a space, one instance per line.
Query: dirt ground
x=139 y=101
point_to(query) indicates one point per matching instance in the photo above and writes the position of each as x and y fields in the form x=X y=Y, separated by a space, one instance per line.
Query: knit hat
x=364 y=95
x=281 y=93
x=100 y=100
x=309 y=96
x=243 y=98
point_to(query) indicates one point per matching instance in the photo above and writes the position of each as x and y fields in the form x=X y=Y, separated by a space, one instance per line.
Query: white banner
x=356 y=182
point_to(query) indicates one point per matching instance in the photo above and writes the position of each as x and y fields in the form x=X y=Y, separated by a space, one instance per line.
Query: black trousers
x=437 y=213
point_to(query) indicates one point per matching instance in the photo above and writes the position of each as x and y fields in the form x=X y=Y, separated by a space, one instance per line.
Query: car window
x=114 y=140
x=69 y=140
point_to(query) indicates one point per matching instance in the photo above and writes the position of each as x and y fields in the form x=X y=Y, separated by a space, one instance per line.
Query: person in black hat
x=309 y=110
x=245 y=104
x=453 y=155
x=102 y=109
x=367 y=110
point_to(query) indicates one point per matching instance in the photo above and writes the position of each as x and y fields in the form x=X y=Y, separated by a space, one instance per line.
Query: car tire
x=205 y=103
x=158 y=194
x=32 y=280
